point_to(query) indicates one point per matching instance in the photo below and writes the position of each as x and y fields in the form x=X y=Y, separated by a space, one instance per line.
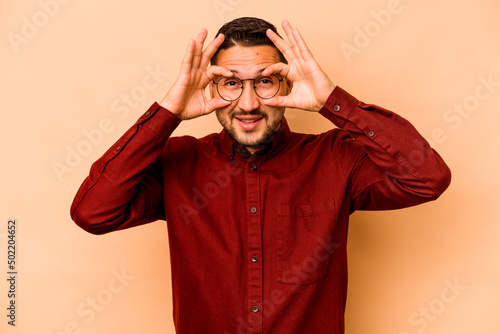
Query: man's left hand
x=311 y=87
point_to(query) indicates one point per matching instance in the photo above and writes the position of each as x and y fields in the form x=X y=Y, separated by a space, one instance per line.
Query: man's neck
x=252 y=149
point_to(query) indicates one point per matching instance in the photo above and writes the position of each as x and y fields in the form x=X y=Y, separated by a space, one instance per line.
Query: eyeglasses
x=231 y=88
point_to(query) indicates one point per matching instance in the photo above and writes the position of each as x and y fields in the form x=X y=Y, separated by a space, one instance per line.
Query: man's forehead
x=248 y=55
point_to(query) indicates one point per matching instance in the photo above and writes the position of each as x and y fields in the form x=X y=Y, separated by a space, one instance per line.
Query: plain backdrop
x=74 y=75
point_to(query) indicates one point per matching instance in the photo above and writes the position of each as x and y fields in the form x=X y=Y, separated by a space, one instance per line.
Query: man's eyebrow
x=258 y=72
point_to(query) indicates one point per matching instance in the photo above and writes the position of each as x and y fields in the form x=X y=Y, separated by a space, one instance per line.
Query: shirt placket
x=254 y=250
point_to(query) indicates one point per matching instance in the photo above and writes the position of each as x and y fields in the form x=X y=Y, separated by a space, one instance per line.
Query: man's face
x=247 y=119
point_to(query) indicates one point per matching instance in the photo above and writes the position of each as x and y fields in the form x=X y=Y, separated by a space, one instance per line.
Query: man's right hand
x=187 y=98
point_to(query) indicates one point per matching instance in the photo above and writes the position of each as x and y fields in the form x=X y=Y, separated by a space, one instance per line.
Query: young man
x=257 y=215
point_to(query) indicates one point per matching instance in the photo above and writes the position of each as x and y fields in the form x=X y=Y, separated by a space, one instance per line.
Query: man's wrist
x=171 y=108
x=327 y=95
x=324 y=97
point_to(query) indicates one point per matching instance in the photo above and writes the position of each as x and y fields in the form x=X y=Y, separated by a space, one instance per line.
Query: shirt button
x=118 y=148
x=253 y=209
x=255 y=309
x=253 y=167
x=371 y=133
x=255 y=259
x=147 y=113
x=336 y=107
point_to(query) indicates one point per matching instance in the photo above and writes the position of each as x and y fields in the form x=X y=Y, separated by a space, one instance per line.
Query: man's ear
x=289 y=85
x=211 y=89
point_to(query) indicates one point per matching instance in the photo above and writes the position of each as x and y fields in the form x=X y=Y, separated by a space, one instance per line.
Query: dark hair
x=246 y=31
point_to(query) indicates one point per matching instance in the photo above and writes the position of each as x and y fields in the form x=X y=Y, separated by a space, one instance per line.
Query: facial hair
x=245 y=138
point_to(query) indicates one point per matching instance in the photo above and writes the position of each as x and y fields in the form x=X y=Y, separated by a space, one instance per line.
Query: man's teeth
x=249 y=120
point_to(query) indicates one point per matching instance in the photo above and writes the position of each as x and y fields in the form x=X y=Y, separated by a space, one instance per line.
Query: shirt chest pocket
x=302 y=253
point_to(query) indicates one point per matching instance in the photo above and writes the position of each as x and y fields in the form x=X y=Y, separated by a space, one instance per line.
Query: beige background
x=70 y=70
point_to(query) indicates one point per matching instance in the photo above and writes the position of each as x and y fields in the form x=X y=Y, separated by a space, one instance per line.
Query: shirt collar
x=278 y=141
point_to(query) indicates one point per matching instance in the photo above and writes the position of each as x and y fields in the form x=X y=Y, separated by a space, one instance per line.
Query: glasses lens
x=229 y=88
x=267 y=87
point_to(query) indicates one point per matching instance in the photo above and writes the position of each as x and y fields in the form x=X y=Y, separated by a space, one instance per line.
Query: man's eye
x=231 y=83
x=264 y=81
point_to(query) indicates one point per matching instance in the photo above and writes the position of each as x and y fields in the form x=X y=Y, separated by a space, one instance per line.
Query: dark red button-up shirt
x=258 y=242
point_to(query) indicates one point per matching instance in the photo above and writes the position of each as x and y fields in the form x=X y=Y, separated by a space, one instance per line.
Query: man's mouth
x=251 y=120
x=248 y=122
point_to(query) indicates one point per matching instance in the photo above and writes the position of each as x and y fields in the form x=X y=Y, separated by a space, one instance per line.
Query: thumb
x=280 y=101
x=216 y=103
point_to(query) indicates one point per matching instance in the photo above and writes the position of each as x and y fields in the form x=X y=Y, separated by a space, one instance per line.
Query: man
x=257 y=215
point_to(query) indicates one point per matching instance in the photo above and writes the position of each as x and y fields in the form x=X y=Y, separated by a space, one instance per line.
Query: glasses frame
x=254 y=88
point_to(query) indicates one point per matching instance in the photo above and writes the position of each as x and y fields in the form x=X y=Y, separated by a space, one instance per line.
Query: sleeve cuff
x=159 y=120
x=339 y=106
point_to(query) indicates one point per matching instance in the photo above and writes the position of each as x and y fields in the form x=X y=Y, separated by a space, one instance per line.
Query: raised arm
x=187 y=98
x=125 y=186
x=310 y=84
x=396 y=167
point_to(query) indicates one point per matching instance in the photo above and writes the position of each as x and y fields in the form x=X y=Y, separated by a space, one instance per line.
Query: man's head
x=246 y=31
x=247 y=51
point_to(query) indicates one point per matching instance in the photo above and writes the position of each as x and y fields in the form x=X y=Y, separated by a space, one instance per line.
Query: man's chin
x=249 y=140
x=252 y=138
x=256 y=138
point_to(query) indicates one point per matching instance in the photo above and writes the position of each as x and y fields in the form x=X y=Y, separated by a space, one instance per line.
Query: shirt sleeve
x=124 y=187
x=394 y=167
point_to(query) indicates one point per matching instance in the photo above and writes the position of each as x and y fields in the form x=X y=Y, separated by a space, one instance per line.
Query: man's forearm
x=122 y=189
x=412 y=170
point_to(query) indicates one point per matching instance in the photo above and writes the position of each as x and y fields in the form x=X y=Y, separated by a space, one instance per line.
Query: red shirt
x=258 y=242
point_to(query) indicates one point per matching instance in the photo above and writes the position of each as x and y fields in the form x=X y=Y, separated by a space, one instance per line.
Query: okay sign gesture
x=311 y=87
x=187 y=98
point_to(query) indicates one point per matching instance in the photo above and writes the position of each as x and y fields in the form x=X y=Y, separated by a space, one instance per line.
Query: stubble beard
x=250 y=138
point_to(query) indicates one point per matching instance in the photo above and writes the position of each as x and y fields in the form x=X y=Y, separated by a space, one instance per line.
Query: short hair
x=246 y=31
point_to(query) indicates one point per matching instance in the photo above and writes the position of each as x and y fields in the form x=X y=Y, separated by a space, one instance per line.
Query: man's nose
x=248 y=100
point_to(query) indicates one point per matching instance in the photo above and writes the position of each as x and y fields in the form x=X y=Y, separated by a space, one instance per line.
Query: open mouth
x=249 y=122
